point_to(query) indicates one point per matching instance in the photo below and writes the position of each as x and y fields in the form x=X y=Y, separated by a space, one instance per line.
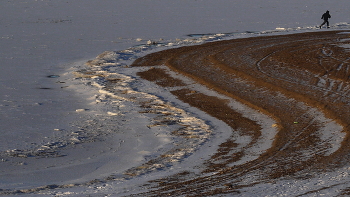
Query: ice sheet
x=46 y=122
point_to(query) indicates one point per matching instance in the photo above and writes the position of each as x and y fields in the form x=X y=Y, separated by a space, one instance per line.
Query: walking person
x=325 y=18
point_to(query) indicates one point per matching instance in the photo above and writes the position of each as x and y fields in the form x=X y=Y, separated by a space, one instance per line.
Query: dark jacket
x=326 y=16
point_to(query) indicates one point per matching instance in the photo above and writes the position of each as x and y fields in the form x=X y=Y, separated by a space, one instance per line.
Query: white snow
x=65 y=130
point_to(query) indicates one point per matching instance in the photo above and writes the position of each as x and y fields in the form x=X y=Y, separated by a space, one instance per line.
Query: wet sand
x=299 y=80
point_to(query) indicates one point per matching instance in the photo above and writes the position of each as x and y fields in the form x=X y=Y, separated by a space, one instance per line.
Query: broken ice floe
x=187 y=132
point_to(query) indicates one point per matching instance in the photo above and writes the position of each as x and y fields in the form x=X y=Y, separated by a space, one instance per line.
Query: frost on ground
x=144 y=141
x=185 y=132
x=310 y=137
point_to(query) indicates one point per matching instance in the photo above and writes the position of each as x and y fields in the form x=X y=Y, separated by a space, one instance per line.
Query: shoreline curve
x=299 y=80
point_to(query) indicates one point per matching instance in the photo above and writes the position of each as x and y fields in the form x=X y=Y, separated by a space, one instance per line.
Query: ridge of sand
x=299 y=80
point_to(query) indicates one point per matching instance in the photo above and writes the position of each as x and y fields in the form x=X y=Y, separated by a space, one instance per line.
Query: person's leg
x=322 y=23
x=327 y=24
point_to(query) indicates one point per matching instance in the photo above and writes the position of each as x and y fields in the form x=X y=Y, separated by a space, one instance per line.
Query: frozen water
x=52 y=129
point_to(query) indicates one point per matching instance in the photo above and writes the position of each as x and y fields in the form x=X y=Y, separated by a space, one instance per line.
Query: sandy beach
x=275 y=116
x=242 y=116
x=299 y=80
x=179 y=98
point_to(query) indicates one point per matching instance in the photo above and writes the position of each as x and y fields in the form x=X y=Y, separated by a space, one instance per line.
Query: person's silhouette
x=325 y=18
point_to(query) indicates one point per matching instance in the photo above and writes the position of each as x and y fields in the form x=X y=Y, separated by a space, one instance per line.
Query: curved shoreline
x=292 y=78
x=277 y=107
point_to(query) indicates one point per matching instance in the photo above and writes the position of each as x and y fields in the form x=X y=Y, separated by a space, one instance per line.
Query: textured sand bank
x=299 y=80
